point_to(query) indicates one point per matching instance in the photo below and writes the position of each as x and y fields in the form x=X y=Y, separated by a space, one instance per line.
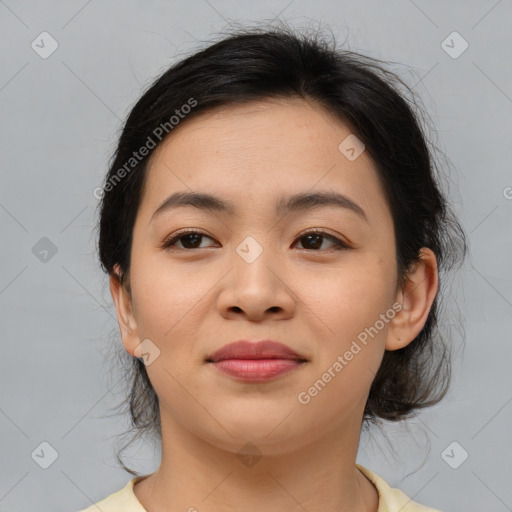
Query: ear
x=125 y=317
x=416 y=297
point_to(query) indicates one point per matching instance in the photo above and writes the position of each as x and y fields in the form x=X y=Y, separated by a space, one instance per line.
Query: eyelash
x=338 y=244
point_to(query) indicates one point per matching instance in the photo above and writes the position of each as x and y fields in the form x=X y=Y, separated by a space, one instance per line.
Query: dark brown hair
x=378 y=106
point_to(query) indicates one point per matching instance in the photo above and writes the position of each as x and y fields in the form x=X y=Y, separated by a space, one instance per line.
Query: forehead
x=255 y=154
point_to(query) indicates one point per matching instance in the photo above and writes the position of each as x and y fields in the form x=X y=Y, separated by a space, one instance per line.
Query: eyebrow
x=294 y=203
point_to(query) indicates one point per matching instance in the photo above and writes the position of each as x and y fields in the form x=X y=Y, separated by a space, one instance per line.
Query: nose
x=257 y=290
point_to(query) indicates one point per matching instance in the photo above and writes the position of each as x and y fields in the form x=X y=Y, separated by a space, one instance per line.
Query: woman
x=274 y=234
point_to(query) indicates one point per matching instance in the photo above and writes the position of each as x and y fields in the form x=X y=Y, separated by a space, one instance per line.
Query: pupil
x=196 y=237
x=318 y=237
x=191 y=241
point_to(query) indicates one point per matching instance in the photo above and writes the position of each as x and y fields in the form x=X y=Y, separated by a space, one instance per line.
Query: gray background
x=60 y=118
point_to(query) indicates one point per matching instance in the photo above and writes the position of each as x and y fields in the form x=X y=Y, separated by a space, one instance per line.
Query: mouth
x=256 y=361
x=249 y=350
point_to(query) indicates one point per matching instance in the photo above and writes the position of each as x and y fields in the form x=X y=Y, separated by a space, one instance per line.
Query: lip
x=265 y=349
x=256 y=361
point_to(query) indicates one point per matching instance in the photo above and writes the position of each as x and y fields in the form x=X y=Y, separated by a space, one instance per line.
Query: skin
x=314 y=299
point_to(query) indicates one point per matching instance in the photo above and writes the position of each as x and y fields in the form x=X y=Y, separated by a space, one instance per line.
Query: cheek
x=350 y=344
x=352 y=310
x=167 y=297
x=351 y=297
x=169 y=303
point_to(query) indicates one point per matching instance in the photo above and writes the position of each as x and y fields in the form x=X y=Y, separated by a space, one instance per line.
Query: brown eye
x=315 y=239
x=189 y=240
x=312 y=240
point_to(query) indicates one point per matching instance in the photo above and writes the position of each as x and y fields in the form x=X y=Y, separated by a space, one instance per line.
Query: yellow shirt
x=390 y=499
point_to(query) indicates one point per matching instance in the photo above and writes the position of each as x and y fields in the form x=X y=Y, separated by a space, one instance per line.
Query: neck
x=197 y=475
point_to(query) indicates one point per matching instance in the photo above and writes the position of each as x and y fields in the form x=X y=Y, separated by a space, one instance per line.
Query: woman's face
x=255 y=275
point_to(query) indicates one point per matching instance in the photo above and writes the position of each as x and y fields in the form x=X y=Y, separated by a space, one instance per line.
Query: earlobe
x=123 y=305
x=416 y=297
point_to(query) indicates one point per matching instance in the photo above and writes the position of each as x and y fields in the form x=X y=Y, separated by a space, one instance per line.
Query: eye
x=191 y=239
x=315 y=238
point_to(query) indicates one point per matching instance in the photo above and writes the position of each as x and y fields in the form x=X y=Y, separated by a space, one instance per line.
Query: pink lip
x=256 y=361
